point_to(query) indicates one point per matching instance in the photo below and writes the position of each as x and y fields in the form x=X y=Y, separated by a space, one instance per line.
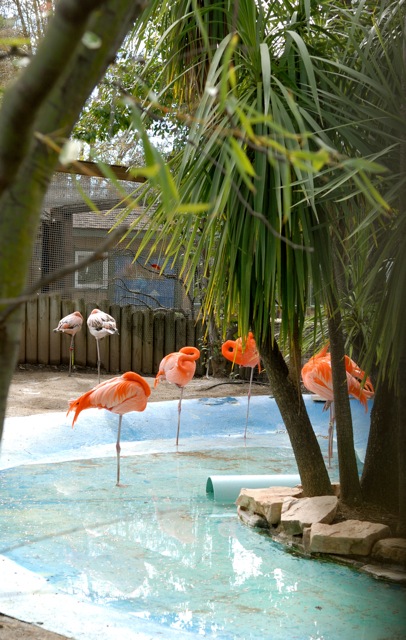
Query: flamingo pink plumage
x=178 y=368
x=70 y=324
x=317 y=377
x=120 y=395
x=245 y=355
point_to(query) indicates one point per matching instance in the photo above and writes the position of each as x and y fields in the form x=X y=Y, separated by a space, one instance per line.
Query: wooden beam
x=84 y=168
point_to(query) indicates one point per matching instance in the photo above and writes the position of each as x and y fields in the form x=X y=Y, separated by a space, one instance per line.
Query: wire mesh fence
x=78 y=213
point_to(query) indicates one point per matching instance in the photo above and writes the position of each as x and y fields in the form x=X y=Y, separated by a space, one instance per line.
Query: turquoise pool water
x=158 y=558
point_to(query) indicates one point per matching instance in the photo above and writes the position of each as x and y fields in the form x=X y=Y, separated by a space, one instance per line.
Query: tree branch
x=21 y=102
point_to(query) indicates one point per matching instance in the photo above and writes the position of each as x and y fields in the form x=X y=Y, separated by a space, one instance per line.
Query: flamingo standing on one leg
x=317 y=377
x=121 y=395
x=71 y=324
x=246 y=356
x=178 y=368
x=100 y=325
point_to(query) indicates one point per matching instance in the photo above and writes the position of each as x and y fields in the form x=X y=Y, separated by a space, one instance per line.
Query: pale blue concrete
x=158 y=559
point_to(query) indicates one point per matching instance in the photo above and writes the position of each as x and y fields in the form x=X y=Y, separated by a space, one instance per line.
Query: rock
x=306 y=539
x=351 y=537
x=266 y=502
x=385 y=573
x=306 y=525
x=299 y=513
x=252 y=519
x=391 y=550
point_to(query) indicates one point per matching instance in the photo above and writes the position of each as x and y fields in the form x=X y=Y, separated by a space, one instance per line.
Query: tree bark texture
x=311 y=466
x=401 y=445
x=37 y=116
x=379 y=481
x=350 y=488
x=401 y=389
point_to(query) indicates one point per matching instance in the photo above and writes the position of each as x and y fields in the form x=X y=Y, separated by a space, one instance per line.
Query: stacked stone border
x=310 y=527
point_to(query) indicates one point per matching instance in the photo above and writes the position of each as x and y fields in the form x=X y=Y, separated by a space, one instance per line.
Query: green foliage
x=108 y=114
x=282 y=119
x=276 y=145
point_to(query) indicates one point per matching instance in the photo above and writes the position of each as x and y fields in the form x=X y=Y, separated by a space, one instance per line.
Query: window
x=94 y=276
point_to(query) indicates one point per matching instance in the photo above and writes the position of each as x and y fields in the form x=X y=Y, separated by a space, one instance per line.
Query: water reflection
x=246 y=564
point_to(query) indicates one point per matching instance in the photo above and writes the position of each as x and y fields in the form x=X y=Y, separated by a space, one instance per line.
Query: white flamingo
x=71 y=324
x=100 y=325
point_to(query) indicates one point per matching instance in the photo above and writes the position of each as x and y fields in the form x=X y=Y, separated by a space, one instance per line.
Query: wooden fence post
x=91 y=349
x=67 y=308
x=31 y=345
x=159 y=339
x=43 y=330
x=105 y=343
x=137 y=341
x=125 y=338
x=114 y=341
x=54 y=338
x=21 y=356
x=169 y=333
x=191 y=332
x=147 y=343
x=180 y=332
x=82 y=336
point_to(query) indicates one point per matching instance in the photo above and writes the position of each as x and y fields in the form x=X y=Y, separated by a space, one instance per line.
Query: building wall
x=68 y=236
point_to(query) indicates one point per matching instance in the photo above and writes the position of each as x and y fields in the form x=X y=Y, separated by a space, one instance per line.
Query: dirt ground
x=44 y=389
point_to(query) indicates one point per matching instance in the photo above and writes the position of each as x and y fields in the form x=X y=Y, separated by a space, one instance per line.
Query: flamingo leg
x=98 y=360
x=248 y=402
x=179 y=412
x=72 y=356
x=118 y=449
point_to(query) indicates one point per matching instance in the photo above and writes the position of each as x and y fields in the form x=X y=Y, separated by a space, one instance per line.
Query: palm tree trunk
x=380 y=475
x=350 y=487
x=401 y=413
x=402 y=361
x=311 y=466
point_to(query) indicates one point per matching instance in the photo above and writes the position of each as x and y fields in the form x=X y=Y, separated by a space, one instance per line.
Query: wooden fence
x=145 y=336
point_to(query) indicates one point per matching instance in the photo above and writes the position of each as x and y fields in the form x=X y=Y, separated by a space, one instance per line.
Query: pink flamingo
x=71 y=324
x=317 y=377
x=121 y=395
x=246 y=356
x=178 y=368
